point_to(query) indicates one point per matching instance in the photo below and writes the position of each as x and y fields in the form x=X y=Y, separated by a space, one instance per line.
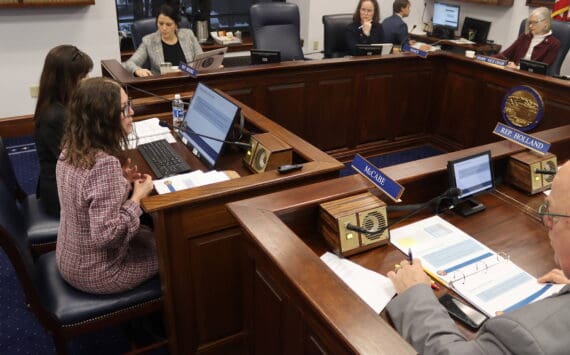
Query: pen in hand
x=410 y=258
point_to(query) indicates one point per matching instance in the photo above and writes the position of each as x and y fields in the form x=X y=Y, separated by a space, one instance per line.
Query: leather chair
x=275 y=26
x=560 y=30
x=62 y=310
x=147 y=26
x=41 y=228
x=334 y=28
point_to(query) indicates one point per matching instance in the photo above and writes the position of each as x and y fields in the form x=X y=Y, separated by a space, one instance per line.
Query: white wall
x=504 y=28
x=26 y=35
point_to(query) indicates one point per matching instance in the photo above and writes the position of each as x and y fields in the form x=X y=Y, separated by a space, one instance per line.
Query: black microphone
x=129 y=86
x=186 y=130
x=450 y=193
x=545 y=172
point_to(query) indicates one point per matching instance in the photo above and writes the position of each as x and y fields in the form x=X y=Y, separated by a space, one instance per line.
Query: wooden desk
x=371 y=104
x=292 y=297
x=459 y=48
x=199 y=248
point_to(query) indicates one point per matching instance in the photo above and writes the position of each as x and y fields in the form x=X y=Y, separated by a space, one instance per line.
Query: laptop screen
x=209 y=114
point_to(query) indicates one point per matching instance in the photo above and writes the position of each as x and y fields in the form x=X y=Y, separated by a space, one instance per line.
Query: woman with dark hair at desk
x=101 y=248
x=168 y=44
x=365 y=27
x=64 y=67
x=536 y=43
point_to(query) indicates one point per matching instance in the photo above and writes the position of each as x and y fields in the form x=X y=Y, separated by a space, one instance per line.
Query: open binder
x=488 y=280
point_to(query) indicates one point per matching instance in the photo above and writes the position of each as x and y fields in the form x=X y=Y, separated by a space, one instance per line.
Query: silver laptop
x=209 y=61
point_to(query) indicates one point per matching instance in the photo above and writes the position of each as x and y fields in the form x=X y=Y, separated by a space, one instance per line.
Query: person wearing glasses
x=536 y=43
x=365 y=27
x=168 y=44
x=101 y=246
x=64 y=67
x=538 y=328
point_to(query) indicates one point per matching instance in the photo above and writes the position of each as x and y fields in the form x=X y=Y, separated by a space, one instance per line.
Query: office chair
x=64 y=311
x=275 y=26
x=147 y=26
x=335 y=42
x=560 y=30
x=41 y=228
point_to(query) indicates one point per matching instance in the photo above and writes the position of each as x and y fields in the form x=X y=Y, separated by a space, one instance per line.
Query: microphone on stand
x=189 y=132
x=450 y=193
x=129 y=86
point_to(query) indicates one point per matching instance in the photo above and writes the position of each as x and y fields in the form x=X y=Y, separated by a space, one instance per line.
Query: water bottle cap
x=176 y=96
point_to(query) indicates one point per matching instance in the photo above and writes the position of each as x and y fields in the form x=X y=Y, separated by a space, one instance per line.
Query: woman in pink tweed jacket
x=101 y=246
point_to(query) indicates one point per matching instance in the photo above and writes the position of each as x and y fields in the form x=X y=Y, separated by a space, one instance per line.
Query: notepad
x=488 y=280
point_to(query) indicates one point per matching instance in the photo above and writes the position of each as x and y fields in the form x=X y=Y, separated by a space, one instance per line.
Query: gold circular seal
x=522 y=108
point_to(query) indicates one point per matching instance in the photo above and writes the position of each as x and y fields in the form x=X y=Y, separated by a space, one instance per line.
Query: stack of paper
x=488 y=280
x=149 y=130
x=188 y=180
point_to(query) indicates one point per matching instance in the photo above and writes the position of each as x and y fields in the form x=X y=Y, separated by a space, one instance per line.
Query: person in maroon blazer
x=536 y=43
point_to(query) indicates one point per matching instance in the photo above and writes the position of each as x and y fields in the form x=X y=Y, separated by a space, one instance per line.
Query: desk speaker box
x=521 y=171
x=267 y=152
x=364 y=210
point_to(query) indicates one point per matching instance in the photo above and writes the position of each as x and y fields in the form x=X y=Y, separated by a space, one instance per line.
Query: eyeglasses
x=366 y=11
x=126 y=110
x=532 y=23
x=547 y=217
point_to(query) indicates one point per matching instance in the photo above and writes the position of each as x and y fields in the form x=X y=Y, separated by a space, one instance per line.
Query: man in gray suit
x=395 y=29
x=542 y=327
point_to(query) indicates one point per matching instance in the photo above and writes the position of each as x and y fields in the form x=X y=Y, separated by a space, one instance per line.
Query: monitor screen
x=446 y=15
x=475 y=30
x=260 y=56
x=533 y=66
x=212 y=115
x=471 y=175
x=374 y=49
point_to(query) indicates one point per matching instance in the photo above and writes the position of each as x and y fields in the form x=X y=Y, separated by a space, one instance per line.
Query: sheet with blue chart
x=488 y=280
x=209 y=114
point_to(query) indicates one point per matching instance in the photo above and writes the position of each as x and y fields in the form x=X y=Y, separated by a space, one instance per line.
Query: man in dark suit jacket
x=395 y=29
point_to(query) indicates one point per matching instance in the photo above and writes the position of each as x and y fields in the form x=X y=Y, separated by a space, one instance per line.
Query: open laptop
x=533 y=66
x=209 y=61
x=374 y=49
x=262 y=56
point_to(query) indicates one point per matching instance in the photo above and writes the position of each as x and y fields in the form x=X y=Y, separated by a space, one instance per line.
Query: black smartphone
x=466 y=314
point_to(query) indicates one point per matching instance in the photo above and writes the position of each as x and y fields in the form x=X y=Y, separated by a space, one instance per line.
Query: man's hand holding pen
x=408 y=275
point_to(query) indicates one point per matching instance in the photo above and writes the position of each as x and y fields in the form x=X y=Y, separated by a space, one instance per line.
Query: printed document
x=488 y=280
x=188 y=180
x=147 y=131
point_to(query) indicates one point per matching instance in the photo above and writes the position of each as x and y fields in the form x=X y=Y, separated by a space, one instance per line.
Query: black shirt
x=173 y=53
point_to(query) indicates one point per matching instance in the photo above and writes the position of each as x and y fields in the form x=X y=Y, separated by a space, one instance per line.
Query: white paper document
x=488 y=280
x=188 y=180
x=147 y=131
x=374 y=289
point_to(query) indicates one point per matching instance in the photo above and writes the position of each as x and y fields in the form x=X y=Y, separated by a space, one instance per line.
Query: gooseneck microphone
x=187 y=131
x=129 y=86
x=450 y=193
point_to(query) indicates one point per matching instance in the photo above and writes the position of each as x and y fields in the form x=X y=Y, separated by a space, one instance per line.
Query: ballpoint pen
x=410 y=259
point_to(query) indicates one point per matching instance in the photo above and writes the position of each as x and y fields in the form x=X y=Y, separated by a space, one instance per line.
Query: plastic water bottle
x=177 y=111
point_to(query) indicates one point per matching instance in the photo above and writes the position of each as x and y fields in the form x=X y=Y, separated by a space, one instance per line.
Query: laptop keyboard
x=163 y=159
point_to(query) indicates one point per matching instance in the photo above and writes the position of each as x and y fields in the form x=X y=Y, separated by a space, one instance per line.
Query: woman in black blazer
x=64 y=67
x=365 y=27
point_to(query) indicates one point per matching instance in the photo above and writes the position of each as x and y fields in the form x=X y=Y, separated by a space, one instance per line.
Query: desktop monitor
x=472 y=175
x=533 y=66
x=475 y=30
x=374 y=49
x=445 y=19
x=261 y=56
x=212 y=115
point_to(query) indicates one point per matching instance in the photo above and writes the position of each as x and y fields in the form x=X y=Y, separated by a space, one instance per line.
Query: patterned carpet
x=21 y=333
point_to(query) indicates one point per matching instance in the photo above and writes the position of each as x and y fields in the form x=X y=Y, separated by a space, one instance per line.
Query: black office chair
x=41 y=228
x=147 y=26
x=335 y=40
x=275 y=26
x=560 y=30
x=64 y=311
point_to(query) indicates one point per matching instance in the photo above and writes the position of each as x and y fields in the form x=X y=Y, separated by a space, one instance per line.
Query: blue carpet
x=404 y=156
x=22 y=154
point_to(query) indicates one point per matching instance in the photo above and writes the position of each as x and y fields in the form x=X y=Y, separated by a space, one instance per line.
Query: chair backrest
x=147 y=26
x=335 y=40
x=7 y=173
x=560 y=30
x=275 y=26
x=14 y=241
